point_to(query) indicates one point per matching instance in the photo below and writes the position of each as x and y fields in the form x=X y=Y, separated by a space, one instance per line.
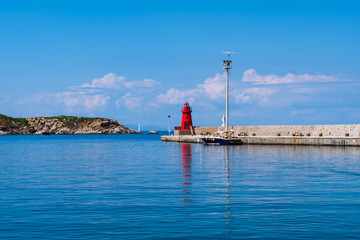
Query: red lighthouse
x=186 y=122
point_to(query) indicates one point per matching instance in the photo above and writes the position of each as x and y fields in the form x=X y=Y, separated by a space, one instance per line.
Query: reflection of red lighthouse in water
x=186 y=170
x=186 y=159
x=186 y=121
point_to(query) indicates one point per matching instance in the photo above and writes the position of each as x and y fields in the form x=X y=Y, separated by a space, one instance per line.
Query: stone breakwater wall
x=340 y=130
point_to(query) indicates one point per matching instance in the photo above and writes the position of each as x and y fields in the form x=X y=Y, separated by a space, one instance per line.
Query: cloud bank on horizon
x=251 y=76
x=255 y=98
x=88 y=98
x=214 y=88
x=301 y=94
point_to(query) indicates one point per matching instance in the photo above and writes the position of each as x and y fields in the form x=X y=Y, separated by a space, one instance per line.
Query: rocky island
x=61 y=125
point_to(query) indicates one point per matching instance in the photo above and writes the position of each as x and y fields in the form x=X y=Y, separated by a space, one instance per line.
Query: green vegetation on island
x=72 y=120
x=21 y=120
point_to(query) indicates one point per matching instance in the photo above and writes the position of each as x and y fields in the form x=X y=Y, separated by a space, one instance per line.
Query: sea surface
x=137 y=187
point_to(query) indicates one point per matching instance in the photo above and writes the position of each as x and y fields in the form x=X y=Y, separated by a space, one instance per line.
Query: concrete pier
x=182 y=138
x=276 y=140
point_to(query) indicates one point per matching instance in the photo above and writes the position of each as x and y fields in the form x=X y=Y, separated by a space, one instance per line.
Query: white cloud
x=88 y=97
x=251 y=76
x=77 y=101
x=146 y=83
x=249 y=95
x=110 y=81
x=118 y=103
x=130 y=101
x=174 y=96
x=214 y=87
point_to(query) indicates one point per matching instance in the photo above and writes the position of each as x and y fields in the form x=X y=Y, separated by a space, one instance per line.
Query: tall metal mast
x=227 y=65
x=169 y=122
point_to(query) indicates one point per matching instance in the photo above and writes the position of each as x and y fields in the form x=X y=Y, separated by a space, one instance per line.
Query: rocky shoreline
x=61 y=125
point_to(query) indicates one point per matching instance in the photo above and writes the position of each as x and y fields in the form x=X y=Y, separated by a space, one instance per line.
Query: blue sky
x=296 y=62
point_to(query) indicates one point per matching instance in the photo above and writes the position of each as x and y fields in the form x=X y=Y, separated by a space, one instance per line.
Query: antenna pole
x=227 y=100
x=227 y=66
x=169 y=124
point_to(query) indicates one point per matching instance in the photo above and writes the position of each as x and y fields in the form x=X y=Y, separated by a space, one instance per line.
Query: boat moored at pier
x=222 y=138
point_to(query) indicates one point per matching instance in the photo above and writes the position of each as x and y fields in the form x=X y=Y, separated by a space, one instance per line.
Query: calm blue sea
x=137 y=187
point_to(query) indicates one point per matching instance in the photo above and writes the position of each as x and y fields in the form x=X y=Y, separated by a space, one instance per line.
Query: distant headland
x=61 y=125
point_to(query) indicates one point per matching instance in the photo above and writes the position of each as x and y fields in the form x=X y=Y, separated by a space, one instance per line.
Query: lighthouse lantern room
x=186 y=122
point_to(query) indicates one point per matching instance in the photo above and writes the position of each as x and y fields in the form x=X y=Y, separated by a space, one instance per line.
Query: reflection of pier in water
x=186 y=156
x=186 y=172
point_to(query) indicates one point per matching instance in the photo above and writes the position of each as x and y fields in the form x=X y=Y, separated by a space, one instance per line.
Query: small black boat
x=222 y=138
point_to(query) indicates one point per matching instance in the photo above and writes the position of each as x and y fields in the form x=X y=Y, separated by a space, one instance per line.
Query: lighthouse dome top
x=186 y=107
